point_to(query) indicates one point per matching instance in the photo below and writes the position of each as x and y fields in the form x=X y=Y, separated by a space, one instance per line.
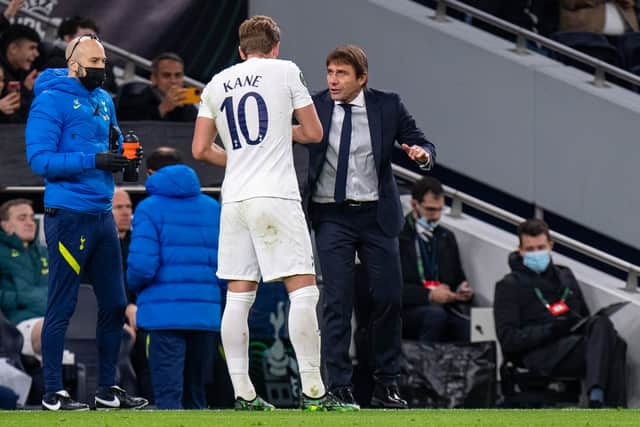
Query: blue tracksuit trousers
x=85 y=247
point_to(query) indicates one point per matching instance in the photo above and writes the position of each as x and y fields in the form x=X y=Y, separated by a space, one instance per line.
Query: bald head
x=84 y=52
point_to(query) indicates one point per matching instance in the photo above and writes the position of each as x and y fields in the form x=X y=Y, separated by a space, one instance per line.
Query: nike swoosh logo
x=52 y=407
x=114 y=403
x=75 y=107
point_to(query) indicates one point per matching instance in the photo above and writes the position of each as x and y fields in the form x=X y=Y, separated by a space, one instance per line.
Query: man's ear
x=242 y=55
x=5 y=226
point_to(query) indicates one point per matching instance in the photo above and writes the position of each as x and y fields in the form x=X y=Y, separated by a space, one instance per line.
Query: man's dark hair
x=4 y=208
x=163 y=156
x=350 y=55
x=426 y=185
x=70 y=26
x=18 y=32
x=533 y=228
x=162 y=57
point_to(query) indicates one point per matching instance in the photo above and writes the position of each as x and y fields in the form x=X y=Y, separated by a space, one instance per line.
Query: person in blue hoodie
x=68 y=143
x=172 y=264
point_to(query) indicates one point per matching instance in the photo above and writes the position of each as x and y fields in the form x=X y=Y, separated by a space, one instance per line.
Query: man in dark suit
x=354 y=207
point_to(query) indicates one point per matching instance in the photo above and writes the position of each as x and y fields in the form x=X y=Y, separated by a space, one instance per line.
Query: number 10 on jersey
x=241 y=123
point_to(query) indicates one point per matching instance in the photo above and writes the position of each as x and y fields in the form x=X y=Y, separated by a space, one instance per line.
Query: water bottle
x=130 y=147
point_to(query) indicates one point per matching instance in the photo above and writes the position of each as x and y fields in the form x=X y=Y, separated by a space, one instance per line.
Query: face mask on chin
x=425 y=228
x=93 y=77
x=537 y=261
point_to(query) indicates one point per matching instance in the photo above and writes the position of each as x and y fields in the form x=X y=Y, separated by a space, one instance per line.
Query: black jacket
x=524 y=325
x=449 y=266
x=144 y=106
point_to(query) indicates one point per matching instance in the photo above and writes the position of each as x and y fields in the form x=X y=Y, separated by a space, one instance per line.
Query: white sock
x=235 y=340
x=305 y=337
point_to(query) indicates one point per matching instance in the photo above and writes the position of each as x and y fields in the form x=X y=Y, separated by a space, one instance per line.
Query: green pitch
x=365 y=418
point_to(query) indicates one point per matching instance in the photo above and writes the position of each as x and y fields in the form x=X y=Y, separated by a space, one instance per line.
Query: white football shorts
x=264 y=237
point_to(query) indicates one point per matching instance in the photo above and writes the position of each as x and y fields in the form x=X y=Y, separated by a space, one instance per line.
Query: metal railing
x=601 y=68
x=131 y=59
x=459 y=199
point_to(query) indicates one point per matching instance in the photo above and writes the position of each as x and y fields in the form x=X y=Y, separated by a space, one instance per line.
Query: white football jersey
x=252 y=104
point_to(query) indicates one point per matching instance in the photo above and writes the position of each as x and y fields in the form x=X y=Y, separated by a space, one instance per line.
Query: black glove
x=139 y=155
x=111 y=162
x=561 y=326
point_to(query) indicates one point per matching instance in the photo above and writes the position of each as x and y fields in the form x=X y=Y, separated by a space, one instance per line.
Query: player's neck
x=260 y=55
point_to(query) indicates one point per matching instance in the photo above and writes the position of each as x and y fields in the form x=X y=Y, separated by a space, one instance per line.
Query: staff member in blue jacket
x=172 y=264
x=67 y=138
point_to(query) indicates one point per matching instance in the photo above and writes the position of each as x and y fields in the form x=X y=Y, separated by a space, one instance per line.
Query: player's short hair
x=258 y=34
x=350 y=55
x=69 y=26
x=4 y=208
x=163 y=156
x=16 y=33
x=164 y=56
x=533 y=228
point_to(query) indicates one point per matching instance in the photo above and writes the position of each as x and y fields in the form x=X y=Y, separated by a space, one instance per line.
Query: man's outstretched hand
x=416 y=153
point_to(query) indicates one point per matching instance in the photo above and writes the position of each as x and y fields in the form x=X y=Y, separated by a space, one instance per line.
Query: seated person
x=611 y=17
x=70 y=28
x=9 y=101
x=18 y=51
x=535 y=307
x=436 y=295
x=163 y=99
x=24 y=273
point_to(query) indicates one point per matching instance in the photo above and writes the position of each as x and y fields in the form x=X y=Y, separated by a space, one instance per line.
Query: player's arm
x=309 y=129
x=203 y=146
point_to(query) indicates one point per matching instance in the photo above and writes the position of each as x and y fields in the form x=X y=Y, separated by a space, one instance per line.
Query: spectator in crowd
x=24 y=272
x=9 y=12
x=172 y=267
x=535 y=307
x=265 y=236
x=360 y=215
x=18 y=51
x=52 y=56
x=436 y=295
x=611 y=17
x=164 y=99
x=9 y=102
x=68 y=143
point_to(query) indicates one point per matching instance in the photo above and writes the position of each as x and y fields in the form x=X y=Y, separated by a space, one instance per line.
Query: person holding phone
x=436 y=295
x=9 y=99
x=166 y=99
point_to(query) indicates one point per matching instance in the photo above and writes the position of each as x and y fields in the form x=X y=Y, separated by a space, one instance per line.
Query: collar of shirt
x=358 y=101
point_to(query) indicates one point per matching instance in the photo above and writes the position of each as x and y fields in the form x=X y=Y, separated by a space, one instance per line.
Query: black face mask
x=93 y=78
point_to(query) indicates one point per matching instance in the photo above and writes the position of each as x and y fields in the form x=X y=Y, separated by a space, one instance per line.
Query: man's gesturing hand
x=111 y=162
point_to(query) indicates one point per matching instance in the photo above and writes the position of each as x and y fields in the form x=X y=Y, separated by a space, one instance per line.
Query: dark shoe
x=257 y=404
x=60 y=401
x=328 y=402
x=387 y=397
x=117 y=398
x=345 y=394
x=595 y=404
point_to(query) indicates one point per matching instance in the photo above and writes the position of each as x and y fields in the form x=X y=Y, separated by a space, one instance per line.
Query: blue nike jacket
x=67 y=125
x=173 y=255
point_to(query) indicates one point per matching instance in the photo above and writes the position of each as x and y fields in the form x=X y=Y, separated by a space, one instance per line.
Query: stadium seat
x=522 y=388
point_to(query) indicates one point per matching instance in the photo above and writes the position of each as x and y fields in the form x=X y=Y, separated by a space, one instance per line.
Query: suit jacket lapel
x=374 y=116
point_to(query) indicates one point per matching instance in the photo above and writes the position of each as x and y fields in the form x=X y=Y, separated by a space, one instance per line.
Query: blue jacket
x=67 y=125
x=173 y=256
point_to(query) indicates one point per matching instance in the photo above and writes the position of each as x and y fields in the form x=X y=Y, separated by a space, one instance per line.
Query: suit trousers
x=341 y=231
x=599 y=358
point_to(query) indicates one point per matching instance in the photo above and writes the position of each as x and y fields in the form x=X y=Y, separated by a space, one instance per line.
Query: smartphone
x=191 y=95
x=13 y=86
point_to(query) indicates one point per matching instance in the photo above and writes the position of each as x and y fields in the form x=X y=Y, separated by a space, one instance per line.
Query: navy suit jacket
x=389 y=121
